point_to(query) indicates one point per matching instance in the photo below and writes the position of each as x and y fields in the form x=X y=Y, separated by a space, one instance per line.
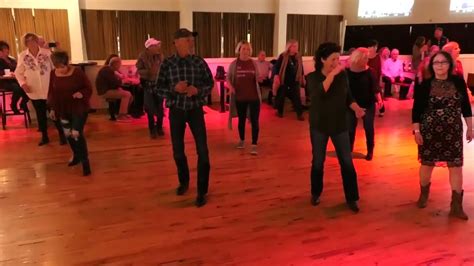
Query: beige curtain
x=53 y=25
x=100 y=32
x=312 y=30
x=235 y=29
x=8 y=29
x=261 y=32
x=132 y=32
x=162 y=26
x=24 y=23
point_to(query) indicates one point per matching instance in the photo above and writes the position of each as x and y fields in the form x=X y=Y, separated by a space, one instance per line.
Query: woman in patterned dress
x=439 y=104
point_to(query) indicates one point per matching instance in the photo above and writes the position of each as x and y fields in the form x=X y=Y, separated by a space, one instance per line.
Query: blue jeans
x=341 y=142
x=195 y=119
x=368 y=121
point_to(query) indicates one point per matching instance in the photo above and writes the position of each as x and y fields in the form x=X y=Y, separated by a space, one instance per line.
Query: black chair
x=7 y=112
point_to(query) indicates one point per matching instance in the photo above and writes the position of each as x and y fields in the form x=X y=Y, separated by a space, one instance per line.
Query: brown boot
x=424 y=194
x=456 y=206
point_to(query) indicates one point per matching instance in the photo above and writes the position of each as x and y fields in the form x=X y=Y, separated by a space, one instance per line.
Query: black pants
x=155 y=117
x=18 y=93
x=319 y=142
x=78 y=145
x=268 y=84
x=293 y=93
x=403 y=89
x=135 y=108
x=242 y=108
x=41 y=109
x=195 y=119
x=368 y=121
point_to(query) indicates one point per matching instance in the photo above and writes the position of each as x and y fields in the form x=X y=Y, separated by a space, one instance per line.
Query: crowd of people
x=340 y=96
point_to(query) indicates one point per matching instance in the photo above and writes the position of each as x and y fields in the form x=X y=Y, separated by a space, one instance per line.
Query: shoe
x=14 y=108
x=124 y=118
x=300 y=118
x=200 y=201
x=182 y=189
x=74 y=162
x=315 y=201
x=253 y=150
x=381 y=114
x=153 y=134
x=86 y=168
x=456 y=206
x=280 y=115
x=424 y=194
x=160 y=132
x=43 y=141
x=240 y=145
x=369 y=156
x=353 y=206
x=62 y=141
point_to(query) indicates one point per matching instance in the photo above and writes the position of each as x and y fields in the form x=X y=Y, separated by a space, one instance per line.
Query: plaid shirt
x=192 y=69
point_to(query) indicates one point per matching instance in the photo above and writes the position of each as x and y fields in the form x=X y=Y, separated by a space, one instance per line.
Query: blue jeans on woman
x=342 y=144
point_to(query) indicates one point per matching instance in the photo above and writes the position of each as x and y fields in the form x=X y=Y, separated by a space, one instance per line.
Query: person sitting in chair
x=392 y=71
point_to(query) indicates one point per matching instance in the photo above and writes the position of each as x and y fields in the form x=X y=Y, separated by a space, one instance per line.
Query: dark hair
x=107 y=61
x=448 y=57
x=4 y=45
x=60 y=58
x=372 y=43
x=439 y=28
x=28 y=36
x=420 y=40
x=324 y=51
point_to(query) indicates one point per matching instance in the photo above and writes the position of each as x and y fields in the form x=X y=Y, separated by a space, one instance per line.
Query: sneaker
x=240 y=145
x=253 y=150
x=200 y=201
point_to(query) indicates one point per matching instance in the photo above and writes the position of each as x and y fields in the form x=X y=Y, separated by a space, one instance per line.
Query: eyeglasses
x=440 y=63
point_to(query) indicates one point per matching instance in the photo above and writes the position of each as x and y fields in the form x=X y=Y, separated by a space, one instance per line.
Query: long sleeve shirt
x=35 y=72
x=62 y=89
x=392 y=69
x=194 y=71
x=328 y=111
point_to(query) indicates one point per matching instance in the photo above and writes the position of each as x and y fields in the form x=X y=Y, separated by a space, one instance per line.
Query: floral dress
x=441 y=127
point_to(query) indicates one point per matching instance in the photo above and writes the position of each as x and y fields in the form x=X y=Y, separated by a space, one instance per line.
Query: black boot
x=424 y=194
x=456 y=206
x=75 y=157
x=44 y=139
x=86 y=168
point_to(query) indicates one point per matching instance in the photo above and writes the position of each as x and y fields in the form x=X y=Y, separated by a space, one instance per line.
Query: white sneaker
x=240 y=145
x=253 y=150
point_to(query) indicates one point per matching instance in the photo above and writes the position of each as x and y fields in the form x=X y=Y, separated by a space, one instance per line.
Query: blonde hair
x=358 y=54
x=289 y=43
x=30 y=35
x=240 y=44
x=449 y=47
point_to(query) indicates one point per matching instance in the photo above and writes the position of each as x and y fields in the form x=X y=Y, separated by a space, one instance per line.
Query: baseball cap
x=184 y=33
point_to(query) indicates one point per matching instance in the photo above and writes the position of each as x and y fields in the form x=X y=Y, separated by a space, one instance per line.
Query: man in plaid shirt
x=185 y=81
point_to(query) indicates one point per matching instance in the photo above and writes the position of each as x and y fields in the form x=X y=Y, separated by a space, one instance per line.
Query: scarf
x=284 y=64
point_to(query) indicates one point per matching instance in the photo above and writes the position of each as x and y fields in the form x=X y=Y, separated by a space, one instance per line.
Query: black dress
x=441 y=122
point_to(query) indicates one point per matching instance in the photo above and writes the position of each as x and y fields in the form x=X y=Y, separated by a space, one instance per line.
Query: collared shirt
x=35 y=72
x=264 y=69
x=192 y=69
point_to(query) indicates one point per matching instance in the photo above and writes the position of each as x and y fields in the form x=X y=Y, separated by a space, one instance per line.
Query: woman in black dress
x=438 y=106
x=365 y=91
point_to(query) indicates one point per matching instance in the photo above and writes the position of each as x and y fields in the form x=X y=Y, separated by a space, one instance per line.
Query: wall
x=74 y=16
x=424 y=11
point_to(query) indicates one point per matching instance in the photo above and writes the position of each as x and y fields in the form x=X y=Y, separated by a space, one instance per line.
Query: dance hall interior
x=236 y=132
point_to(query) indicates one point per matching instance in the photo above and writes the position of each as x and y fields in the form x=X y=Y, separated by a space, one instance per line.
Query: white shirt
x=35 y=72
x=392 y=69
x=264 y=69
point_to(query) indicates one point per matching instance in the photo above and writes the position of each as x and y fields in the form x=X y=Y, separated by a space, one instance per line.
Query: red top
x=245 y=81
x=61 y=90
x=458 y=70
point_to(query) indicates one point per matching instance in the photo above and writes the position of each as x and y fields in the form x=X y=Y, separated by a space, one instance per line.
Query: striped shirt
x=192 y=69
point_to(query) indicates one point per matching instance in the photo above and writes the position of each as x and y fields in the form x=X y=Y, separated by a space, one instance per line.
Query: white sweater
x=392 y=69
x=35 y=72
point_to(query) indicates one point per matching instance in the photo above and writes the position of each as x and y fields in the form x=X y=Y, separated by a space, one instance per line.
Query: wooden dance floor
x=258 y=213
